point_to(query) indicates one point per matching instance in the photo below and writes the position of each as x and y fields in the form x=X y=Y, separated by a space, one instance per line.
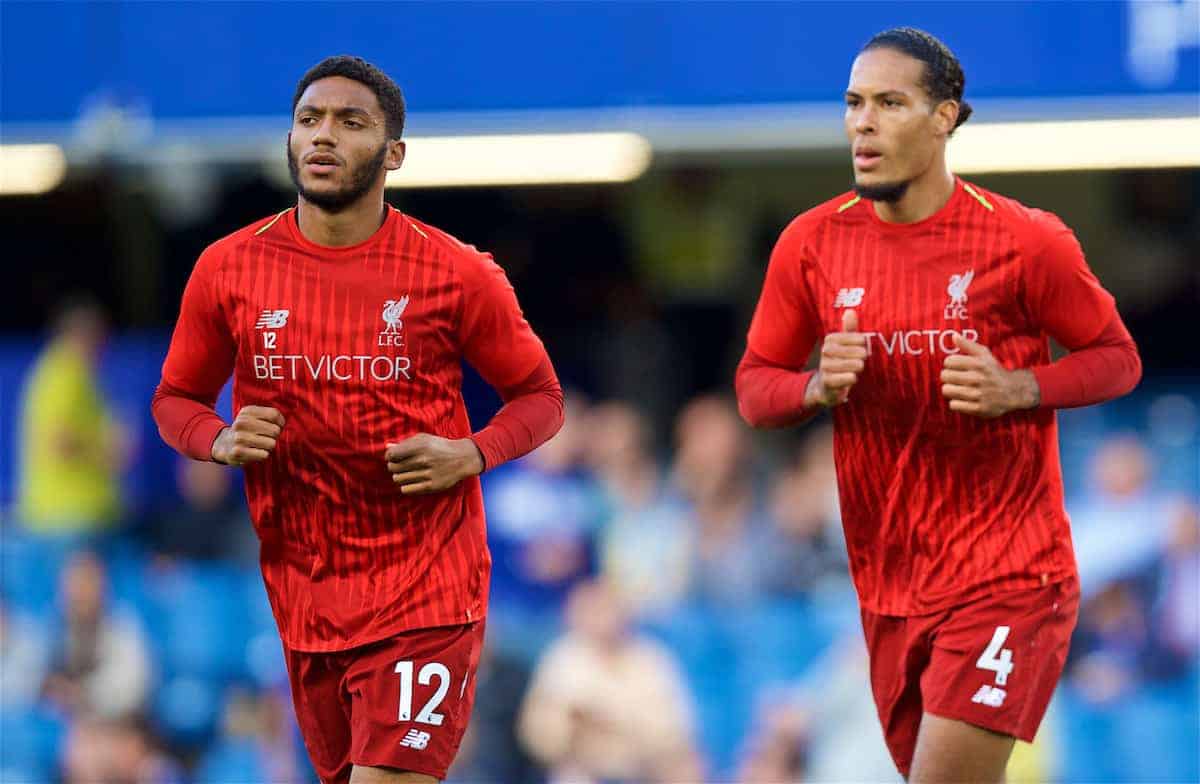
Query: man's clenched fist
x=426 y=463
x=975 y=383
x=251 y=438
x=843 y=355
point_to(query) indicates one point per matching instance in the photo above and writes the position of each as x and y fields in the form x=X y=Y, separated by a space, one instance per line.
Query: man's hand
x=842 y=358
x=976 y=384
x=251 y=438
x=426 y=463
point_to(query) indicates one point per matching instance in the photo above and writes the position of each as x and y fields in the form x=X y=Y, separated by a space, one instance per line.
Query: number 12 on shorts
x=997 y=659
x=424 y=677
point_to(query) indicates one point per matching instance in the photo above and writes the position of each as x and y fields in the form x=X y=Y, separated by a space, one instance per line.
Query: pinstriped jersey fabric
x=938 y=507
x=357 y=347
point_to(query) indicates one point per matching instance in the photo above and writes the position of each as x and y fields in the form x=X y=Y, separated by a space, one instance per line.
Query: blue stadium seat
x=30 y=567
x=1146 y=736
x=187 y=710
x=199 y=619
x=30 y=744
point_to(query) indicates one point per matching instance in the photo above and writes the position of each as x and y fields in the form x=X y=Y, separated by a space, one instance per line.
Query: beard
x=362 y=179
x=890 y=192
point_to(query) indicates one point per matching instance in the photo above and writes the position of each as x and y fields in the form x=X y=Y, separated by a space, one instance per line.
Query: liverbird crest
x=392 y=310
x=958 y=287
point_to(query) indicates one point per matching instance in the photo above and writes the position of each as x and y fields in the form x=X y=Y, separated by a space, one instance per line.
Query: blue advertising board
x=192 y=60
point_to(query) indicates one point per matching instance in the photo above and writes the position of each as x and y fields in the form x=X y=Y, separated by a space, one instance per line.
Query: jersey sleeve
x=770 y=396
x=1105 y=369
x=199 y=362
x=785 y=326
x=495 y=337
x=499 y=343
x=532 y=413
x=1063 y=296
x=770 y=389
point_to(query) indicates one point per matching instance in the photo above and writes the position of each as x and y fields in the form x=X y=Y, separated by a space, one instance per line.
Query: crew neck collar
x=945 y=210
x=384 y=230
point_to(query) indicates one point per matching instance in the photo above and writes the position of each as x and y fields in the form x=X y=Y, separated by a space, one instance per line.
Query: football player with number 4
x=345 y=323
x=934 y=301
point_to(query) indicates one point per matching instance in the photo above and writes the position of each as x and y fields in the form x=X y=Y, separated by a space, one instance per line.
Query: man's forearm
x=1106 y=369
x=531 y=415
x=187 y=425
x=1025 y=390
x=770 y=396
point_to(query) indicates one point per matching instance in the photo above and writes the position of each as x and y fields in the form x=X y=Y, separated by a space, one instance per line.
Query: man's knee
x=955 y=751
x=362 y=774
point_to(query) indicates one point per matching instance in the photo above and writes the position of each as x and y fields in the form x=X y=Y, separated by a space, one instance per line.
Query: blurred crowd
x=670 y=602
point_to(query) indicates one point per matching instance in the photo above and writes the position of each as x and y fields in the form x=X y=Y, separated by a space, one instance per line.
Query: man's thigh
x=992 y=671
x=366 y=775
x=322 y=711
x=411 y=698
x=397 y=706
x=954 y=752
x=995 y=662
x=899 y=652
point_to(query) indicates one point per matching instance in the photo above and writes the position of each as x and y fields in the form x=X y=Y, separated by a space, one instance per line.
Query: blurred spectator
x=1121 y=528
x=1111 y=646
x=100 y=664
x=491 y=751
x=690 y=237
x=72 y=448
x=211 y=523
x=544 y=512
x=1037 y=762
x=633 y=345
x=712 y=474
x=607 y=704
x=23 y=657
x=780 y=748
x=116 y=751
x=646 y=547
x=825 y=728
x=259 y=742
x=1178 y=595
x=809 y=551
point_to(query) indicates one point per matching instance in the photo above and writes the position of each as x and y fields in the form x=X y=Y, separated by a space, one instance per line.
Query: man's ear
x=395 y=154
x=946 y=117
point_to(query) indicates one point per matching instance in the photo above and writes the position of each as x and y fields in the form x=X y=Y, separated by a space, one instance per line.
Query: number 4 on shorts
x=997 y=659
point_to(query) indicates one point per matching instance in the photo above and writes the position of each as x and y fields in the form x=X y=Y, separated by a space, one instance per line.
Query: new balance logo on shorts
x=990 y=696
x=415 y=739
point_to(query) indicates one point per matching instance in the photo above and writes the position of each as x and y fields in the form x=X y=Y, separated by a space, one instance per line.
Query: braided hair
x=944 y=79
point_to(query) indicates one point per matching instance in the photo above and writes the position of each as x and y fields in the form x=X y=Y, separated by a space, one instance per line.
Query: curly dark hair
x=944 y=79
x=387 y=92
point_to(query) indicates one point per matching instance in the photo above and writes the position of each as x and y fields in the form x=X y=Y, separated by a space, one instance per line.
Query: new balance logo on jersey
x=272 y=319
x=990 y=696
x=415 y=739
x=849 y=298
x=957 y=307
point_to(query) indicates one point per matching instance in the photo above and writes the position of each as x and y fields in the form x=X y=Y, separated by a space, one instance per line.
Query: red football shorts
x=992 y=663
x=402 y=703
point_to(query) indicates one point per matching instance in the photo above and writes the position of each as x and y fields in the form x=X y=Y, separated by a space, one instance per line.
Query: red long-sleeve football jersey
x=938 y=507
x=357 y=347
